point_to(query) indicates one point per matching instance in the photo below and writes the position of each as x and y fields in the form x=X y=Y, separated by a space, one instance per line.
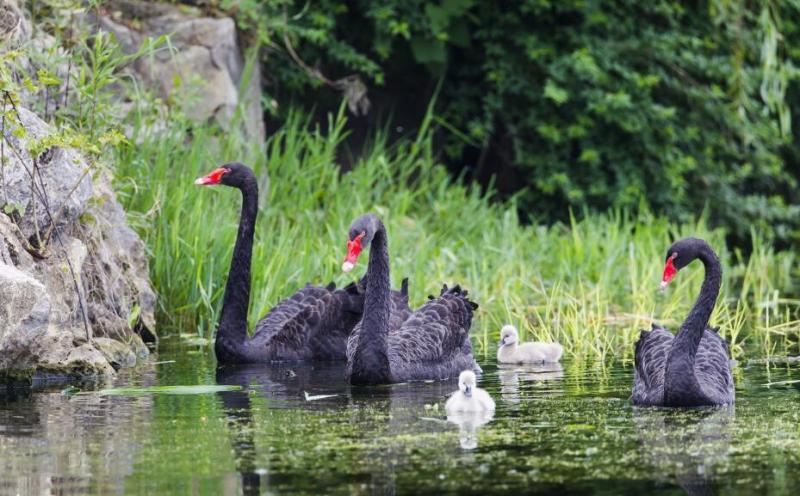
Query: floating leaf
x=199 y=389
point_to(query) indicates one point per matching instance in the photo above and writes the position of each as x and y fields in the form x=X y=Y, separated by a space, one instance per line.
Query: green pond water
x=565 y=429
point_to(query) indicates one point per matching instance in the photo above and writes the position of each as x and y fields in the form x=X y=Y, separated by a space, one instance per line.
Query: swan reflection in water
x=511 y=377
x=284 y=386
x=686 y=446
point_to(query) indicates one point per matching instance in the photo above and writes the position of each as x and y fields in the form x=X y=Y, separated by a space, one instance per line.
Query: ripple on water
x=563 y=427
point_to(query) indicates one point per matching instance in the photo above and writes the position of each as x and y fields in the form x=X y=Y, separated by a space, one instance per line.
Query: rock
x=207 y=60
x=72 y=306
x=116 y=353
x=62 y=172
x=14 y=26
x=24 y=317
x=118 y=266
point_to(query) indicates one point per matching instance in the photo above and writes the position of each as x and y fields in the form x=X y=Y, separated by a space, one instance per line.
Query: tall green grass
x=590 y=284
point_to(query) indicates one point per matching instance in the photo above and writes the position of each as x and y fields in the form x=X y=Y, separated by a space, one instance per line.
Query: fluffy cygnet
x=512 y=351
x=469 y=397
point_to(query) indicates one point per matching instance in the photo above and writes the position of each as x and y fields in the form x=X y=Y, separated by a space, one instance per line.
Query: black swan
x=313 y=323
x=691 y=368
x=392 y=344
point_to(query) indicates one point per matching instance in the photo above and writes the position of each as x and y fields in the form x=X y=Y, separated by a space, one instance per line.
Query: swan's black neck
x=371 y=361
x=231 y=341
x=680 y=383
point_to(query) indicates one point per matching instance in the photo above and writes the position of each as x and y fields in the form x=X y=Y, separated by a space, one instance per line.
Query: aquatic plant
x=590 y=284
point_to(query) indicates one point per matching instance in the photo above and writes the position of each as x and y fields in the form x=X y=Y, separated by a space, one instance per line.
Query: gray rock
x=24 y=317
x=207 y=63
x=60 y=172
x=63 y=303
x=14 y=26
x=116 y=353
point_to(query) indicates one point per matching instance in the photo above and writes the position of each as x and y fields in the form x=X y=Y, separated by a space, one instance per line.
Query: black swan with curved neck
x=691 y=368
x=392 y=344
x=313 y=323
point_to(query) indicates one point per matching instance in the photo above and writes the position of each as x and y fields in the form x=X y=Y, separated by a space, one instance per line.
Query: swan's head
x=679 y=255
x=360 y=234
x=466 y=382
x=508 y=335
x=232 y=174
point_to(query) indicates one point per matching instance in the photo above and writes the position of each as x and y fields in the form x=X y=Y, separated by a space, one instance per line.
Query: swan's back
x=650 y=357
x=433 y=342
x=537 y=351
x=312 y=323
x=712 y=367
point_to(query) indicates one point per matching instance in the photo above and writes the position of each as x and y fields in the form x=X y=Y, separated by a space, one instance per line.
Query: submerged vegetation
x=590 y=284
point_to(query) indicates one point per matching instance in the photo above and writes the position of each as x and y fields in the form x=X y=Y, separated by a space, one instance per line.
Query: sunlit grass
x=590 y=284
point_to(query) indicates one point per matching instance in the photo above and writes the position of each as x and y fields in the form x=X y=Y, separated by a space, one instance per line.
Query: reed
x=590 y=284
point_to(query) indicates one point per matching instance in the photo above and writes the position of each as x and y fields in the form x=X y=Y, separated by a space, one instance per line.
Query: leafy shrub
x=577 y=103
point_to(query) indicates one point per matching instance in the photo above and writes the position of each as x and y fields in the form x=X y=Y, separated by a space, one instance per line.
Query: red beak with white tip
x=353 y=251
x=214 y=177
x=669 y=272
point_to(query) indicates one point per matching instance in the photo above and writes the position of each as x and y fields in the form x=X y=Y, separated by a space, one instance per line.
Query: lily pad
x=199 y=389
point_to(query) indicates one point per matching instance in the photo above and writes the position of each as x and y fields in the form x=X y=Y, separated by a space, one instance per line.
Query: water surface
x=560 y=429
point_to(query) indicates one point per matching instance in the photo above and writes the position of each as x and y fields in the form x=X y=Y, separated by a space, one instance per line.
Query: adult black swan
x=392 y=344
x=691 y=368
x=313 y=323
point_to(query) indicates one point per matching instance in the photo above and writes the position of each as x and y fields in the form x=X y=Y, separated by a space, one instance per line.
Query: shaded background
x=673 y=107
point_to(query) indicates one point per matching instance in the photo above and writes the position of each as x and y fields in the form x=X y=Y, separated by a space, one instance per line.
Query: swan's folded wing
x=399 y=310
x=437 y=330
x=712 y=367
x=310 y=322
x=651 y=360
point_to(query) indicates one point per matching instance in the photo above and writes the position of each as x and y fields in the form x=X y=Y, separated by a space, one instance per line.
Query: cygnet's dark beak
x=502 y=343
x=468 y=391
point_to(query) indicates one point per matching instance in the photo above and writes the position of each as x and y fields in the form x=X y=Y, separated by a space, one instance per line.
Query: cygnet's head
x=508 y=335
x=466 y=382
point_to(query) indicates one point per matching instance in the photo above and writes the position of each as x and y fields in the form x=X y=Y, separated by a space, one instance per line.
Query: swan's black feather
x=691 y=368
x=712 y=366
x=313 y=323
x=429 y=343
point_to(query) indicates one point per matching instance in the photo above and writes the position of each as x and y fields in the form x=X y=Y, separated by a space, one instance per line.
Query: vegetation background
x=582 y=104
x=543 y=154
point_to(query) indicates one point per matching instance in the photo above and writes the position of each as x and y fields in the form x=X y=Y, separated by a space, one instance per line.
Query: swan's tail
x=459 y=293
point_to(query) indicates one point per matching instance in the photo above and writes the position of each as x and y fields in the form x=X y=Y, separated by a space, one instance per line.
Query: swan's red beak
x=353 y=251
x=213 y=178
x=669 y=272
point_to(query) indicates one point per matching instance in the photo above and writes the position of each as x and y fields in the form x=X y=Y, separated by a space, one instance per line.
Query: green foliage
x=582 y=104
x=72 y=79
x=591 y=284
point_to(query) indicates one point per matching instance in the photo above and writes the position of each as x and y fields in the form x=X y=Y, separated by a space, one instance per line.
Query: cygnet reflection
x=468 y=424
x=470 y=407
x=511 y=377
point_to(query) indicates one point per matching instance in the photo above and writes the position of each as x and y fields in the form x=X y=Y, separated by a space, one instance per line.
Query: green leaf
x=173 y=390
x=428 y=51
x=555 y=93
